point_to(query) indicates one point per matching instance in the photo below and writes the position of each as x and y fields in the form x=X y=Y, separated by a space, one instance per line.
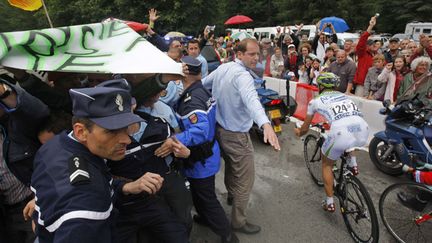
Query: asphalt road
x=287 y=203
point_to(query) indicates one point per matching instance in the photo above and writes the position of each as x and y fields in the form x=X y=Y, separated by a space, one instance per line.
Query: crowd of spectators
x=366 y=68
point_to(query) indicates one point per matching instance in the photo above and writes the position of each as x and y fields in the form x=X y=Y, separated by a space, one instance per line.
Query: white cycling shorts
x=345 y=134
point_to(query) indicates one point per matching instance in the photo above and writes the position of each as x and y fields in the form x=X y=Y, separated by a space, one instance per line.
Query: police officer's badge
x=193 y=118
x=78 y=171
x=119 y=102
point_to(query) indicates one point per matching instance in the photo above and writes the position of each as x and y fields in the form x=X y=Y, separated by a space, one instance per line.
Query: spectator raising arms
x=319 y=44
x=365 y=50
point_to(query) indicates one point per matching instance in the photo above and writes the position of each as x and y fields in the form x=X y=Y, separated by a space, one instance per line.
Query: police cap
x=108 y=107
x=193 y=64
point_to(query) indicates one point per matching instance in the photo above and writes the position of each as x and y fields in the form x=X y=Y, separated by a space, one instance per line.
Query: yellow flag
x=28 y=5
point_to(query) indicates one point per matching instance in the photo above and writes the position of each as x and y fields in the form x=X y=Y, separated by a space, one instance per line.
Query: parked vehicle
x=269 y=32
x=342 y=37
x=401 y=36
x=406 y=138
x=275 y=107
x=414 y=29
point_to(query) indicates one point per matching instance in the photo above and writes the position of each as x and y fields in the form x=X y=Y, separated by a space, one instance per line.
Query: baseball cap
x=291 y=46
x=193 y=64
x=108 y=107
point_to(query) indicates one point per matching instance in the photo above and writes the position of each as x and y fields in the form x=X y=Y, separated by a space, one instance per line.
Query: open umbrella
x=241 y=35
x=175 y=34
x=238 y=19
x=339 y=24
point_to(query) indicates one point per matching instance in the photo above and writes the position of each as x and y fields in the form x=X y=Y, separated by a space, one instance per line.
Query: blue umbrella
x=339 y=24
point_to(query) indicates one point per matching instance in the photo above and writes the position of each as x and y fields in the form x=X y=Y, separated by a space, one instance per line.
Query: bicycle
x=407 y=223
x=355 y=202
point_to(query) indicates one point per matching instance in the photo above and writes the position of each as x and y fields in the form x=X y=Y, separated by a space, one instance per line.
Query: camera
x=211 y=27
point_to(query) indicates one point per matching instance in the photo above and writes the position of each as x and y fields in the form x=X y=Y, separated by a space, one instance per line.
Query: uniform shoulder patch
x=187 y=98
x=193 y=118
x=78 y=171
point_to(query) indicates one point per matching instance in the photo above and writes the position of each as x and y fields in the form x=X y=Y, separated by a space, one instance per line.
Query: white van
x=342 y=37
x=269 y=32
x=414 y=29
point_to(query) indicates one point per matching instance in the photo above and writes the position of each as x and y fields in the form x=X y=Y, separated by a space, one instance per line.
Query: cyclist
x=348 y=129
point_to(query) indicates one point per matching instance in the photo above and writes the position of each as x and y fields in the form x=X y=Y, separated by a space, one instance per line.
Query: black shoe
x=411 y=202
x=232 y=238
x=248 y=228
x=200 y=220
x=230 y=200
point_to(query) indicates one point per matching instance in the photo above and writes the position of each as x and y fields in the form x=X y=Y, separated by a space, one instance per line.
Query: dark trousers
x=207 y=205
x=178 y=197
x=14 y=228
x=155 y=216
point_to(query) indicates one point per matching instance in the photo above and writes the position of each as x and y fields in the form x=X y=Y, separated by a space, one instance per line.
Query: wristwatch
x=7 y=91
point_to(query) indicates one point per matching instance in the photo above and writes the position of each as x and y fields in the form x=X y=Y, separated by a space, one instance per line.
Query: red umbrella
x=238 y=19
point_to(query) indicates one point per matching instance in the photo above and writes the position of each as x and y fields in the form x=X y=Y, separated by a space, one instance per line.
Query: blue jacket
x=74 y=193
x=23 y=125
x=196 y=112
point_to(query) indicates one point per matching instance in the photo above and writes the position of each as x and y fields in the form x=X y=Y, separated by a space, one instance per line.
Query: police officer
x=143 y=213
x=196 y=112
x=73 y=188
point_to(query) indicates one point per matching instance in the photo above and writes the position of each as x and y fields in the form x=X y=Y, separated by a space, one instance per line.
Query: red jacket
x=365 y=59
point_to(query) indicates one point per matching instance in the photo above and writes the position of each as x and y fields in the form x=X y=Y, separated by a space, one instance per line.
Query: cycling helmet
x=328 y=80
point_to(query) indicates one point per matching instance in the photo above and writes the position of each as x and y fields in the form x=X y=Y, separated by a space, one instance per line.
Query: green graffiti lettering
x=35 y=49
x=112 y=29
x=4 y=46
x=135 y=42
x=70 y=62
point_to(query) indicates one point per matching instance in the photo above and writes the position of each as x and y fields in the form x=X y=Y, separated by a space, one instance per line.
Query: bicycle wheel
x=358 y=211
x=312 y=156
x=403 y=221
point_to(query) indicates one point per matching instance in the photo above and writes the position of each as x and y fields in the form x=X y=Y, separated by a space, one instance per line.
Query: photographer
x=319 y=43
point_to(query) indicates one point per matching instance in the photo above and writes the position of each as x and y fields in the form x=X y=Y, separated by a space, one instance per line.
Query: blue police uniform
x=196 y=111
x=73 y=192
x=143 y=213
x=73 y=188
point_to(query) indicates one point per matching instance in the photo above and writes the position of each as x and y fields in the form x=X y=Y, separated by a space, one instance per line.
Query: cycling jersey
x=348 y=128
x=334 y=106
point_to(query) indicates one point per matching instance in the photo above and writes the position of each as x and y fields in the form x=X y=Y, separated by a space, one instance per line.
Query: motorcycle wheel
x=390 y=165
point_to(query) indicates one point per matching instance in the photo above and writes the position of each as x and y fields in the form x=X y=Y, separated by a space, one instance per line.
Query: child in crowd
x=315 y=71
x=374 y=89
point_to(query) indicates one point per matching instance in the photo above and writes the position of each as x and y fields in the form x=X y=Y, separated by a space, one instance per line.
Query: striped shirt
x=13 y=190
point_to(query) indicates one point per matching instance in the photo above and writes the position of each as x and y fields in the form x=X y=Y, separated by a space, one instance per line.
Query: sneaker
x=411 y=202
x=354 y=170
x=329 y=207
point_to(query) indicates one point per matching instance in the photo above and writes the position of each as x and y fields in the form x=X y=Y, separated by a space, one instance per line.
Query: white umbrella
x=241 y=35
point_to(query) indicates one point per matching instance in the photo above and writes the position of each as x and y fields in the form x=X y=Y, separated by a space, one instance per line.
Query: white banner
x=110 y=47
